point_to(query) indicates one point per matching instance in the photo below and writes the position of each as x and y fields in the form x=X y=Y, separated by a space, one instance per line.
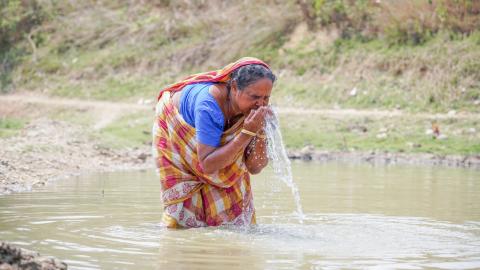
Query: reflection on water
x=356 y=216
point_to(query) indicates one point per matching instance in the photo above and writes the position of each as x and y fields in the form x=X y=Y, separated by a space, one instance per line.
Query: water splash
x=278 y=158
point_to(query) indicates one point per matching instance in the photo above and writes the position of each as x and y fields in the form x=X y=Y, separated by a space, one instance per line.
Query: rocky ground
x=13 y=258
x=47 y=150
x=309 y=153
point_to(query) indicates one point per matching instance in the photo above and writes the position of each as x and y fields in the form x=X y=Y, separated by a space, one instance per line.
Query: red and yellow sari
x=190 y=197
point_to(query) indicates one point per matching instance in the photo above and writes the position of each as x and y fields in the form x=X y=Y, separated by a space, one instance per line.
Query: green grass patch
x=114 y=89
x=129 y=131
x=10 y=126
x=369 y=74
x=394 y=134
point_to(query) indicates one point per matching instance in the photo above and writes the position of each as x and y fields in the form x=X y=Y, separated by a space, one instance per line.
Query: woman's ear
x=234 y=88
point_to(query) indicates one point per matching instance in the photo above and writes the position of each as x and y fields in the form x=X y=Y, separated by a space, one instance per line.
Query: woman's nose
x=260 y=103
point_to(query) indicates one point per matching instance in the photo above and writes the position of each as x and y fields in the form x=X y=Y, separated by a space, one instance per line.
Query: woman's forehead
x=260 y=87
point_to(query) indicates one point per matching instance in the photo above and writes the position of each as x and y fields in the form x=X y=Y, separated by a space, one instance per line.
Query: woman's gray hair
x=249 y=74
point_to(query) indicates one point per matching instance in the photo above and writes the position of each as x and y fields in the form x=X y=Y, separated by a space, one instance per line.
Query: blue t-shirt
x=200 y=110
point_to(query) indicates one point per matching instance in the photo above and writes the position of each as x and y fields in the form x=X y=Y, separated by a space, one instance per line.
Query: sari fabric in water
x=192 y=198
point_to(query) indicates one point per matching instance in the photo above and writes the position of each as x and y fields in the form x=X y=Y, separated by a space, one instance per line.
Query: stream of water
x=278 y=158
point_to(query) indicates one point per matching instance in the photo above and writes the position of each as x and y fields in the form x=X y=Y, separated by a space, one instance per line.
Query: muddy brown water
x=357 y=216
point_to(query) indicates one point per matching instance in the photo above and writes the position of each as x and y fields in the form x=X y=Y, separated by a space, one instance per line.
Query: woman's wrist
x=259 y=134
x=248 y=132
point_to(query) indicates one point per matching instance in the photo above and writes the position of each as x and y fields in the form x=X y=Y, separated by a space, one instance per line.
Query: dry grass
x=129 y=49
x=399 y=21
x=120 y=44
x=416 y=21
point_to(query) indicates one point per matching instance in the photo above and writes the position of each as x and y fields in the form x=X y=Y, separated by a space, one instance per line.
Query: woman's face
x=253 y=96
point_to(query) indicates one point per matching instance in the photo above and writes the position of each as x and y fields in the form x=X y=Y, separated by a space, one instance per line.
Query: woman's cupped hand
x=255 y=120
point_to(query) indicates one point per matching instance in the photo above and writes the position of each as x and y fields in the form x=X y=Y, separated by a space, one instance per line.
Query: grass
x=89 y=51
x=10 y=126
x=125 y=51
x=353 y=133
x=130 y=131
x=412 y=78
x=402 y=134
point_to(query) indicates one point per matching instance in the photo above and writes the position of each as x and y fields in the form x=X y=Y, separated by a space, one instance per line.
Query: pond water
x=356 y=216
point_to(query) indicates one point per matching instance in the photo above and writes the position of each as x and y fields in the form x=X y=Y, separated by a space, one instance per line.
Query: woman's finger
x=250 y=115
x=263 y=112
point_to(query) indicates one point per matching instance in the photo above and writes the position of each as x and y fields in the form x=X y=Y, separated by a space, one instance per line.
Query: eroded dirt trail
x=110 y=111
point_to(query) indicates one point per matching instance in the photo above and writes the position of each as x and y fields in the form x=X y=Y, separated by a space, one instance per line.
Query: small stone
x=382 y=135
x=353 y=92
x=142 y=157
x=358 y=128
x=39 y=184
x=472 y=130
x=306 y=152
x=148 y=101
x=452 y=113
x=442 y=137
x=428 y=132
x=476 y=102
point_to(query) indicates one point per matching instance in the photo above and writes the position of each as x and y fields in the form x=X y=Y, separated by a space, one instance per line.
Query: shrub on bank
x=17 y=19
x=398 y=22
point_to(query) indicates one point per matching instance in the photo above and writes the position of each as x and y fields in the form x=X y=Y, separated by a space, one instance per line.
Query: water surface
x=355 y=216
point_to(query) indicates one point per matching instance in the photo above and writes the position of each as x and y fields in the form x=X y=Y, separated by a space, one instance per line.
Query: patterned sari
x=190 y=197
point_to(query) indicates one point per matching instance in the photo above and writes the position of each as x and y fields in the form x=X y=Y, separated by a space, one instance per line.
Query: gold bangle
x=248 y=132
x=262 y=136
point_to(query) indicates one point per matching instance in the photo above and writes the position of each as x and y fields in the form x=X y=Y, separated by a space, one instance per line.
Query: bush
x=17 y=19
x=398 y=22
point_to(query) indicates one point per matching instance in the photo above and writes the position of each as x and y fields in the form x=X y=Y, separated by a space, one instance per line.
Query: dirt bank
x=13 y=258
x=384 y=158
x=47 y=150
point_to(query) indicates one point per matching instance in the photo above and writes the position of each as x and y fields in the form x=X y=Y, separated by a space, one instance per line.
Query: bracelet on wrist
x=262 y=136
x=248 y=132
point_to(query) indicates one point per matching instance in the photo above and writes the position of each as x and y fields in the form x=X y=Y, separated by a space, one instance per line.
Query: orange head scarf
x=222 y=75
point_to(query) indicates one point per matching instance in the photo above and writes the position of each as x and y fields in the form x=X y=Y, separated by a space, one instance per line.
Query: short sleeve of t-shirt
x=200 y=110
x=209 y=122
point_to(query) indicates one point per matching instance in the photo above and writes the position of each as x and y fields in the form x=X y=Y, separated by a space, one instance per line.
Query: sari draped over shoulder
x=190 y=197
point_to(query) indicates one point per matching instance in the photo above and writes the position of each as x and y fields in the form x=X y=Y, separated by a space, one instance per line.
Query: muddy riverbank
x=309 y=153
x=13 y=258
x=47 y=150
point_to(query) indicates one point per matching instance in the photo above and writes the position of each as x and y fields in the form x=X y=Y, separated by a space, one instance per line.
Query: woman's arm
x=216 y=158
x=256 y=155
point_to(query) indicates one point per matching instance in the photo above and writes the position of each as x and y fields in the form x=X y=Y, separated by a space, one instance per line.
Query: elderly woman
x=207 y=140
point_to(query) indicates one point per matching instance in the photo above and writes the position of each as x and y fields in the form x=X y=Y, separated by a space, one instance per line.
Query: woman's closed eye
x=255 y=97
